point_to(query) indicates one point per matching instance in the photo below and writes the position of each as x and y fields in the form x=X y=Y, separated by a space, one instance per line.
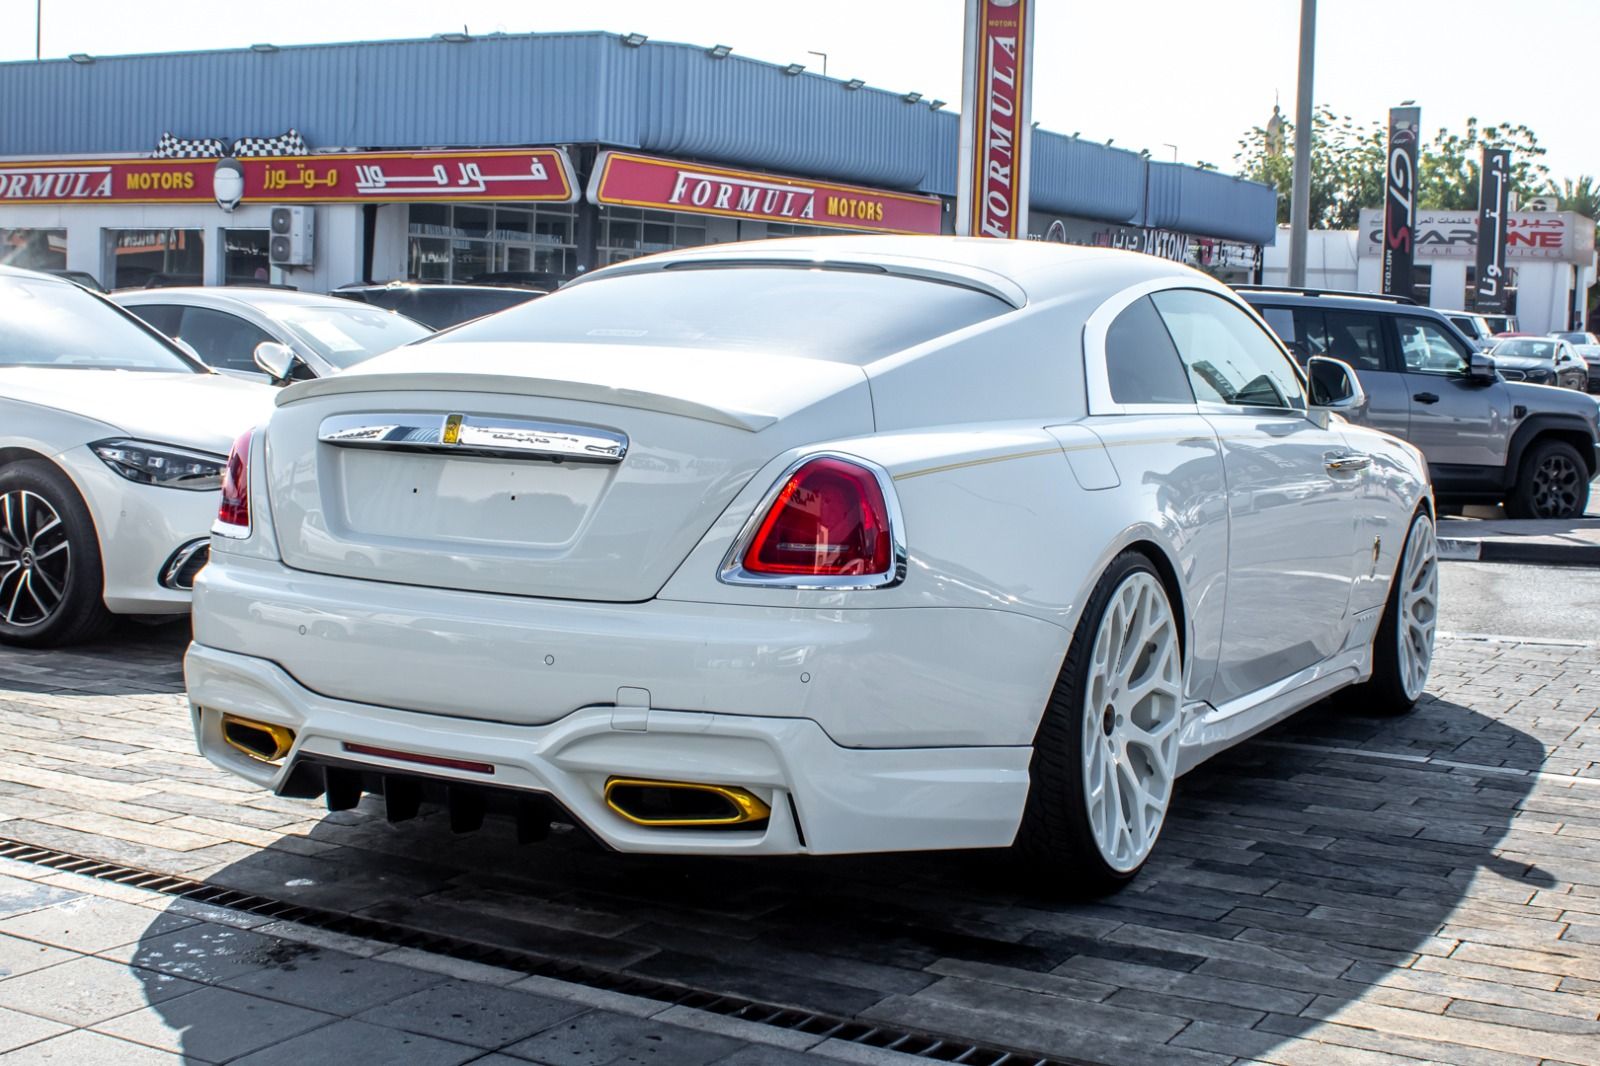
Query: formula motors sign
x=626 y=179
x=996 y=131
x=536 y=174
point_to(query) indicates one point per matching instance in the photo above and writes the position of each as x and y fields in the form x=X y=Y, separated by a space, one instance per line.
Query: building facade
x=529 y=157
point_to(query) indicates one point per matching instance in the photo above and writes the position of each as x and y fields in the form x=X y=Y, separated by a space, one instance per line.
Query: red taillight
x=829 y=519
x=233 y=515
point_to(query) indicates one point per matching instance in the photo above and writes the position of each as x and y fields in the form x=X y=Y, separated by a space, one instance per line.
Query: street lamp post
x=38 y=28
x=1300 y=190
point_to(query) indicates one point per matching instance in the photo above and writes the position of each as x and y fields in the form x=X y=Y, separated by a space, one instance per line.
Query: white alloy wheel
x=1132 y=703
x=1419 y=607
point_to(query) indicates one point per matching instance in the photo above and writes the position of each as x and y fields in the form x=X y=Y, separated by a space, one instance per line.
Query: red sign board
x=995 y=128
x=371 y=177
x=669 y=185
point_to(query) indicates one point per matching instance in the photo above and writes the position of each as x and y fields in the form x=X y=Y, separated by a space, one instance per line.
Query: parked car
x=1501 y=324
x=113 y=445
x=81 y=277
x=311 y=336
x=1474 y=327
x=439 y=306
x=985 y=556
x=1542 y=361
x=1587 y=346
x=1487 y=439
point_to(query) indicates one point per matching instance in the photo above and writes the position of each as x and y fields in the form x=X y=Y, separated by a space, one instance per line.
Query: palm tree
x=1582 y=196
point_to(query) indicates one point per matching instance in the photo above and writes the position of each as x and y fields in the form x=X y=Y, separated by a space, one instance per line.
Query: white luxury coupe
x=112 y=447
x=814 y=546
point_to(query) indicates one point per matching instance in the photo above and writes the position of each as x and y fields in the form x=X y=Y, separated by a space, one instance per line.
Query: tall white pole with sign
x=996 y=119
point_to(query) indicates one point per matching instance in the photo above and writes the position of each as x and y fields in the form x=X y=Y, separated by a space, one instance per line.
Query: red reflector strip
x=426 y=760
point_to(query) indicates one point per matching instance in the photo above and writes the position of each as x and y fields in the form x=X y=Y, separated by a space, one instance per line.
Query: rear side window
x=1354 y=336
x=224 y=341
x=164 y=317
x=844 y=316
x=1229 y=358
x=1142 y=365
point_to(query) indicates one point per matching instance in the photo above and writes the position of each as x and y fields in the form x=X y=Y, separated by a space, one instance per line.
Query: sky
x=1183 y=78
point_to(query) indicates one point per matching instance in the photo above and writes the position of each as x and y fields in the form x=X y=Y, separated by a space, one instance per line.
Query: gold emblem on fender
x=451 y=433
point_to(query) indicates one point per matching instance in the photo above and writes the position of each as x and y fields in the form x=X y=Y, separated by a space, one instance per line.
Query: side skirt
x=1208 y=730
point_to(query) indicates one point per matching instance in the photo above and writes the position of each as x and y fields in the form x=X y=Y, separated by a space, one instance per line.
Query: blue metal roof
x=1194 y=200
x=579 y=88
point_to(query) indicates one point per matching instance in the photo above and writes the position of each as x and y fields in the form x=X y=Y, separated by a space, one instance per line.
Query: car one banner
x=996 y=133
x=528 y=174
x=626 y=179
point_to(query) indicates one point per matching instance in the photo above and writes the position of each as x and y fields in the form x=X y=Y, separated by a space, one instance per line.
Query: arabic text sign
x=668 y=185
x=375 y=177
x=1489 y=289
x=1561 y=236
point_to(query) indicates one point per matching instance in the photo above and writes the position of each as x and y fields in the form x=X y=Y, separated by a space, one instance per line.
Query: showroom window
x=244 y=256
x=138 y=258
x=34 y=249
x=469 y=242
x=629 y=232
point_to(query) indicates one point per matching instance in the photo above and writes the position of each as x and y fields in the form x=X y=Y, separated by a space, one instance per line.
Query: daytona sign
x=536 y=174
x=625 y=179
x=992 y=198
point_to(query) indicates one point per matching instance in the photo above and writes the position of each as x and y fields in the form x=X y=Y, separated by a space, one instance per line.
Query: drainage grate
x=825 y=1026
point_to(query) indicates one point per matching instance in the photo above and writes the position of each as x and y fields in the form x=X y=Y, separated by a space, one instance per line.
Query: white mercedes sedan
x=814 y=546
x=112 y=448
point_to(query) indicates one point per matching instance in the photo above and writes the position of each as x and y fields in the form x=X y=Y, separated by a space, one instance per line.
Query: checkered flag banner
x=170 y=147
x=290 y=143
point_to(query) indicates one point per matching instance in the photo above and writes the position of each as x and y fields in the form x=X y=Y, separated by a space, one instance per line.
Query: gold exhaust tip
x=728 y=805
x=261 y=741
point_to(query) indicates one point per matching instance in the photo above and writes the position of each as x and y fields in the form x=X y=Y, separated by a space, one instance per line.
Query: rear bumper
x=825 y=799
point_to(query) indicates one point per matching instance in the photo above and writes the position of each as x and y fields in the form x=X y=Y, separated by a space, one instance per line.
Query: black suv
x=1486 y=439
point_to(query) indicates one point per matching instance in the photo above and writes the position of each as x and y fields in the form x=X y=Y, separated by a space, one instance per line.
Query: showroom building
x=528 y=157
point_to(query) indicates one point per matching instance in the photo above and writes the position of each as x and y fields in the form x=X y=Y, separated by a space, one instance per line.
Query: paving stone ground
x=1341 y=890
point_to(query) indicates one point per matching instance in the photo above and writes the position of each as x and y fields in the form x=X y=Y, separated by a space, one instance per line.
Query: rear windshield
x=443 y=307
x=1530 y=349
x=845 y=316
x=347 y=337
x=50 y=323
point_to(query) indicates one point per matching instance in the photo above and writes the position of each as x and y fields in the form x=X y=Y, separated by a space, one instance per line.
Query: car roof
x=34 y=275
x=259 y=297
x=428 y=286
x=1343 y=301
x=1017 y=271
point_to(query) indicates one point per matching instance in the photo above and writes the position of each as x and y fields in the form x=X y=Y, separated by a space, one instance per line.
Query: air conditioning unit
x=293 y=240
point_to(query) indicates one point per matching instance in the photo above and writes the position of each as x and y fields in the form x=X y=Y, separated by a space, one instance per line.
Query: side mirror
x=1335 y=387
x=1481 y=369
x=277 y=360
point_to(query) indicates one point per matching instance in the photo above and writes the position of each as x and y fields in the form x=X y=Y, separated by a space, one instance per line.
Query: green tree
x=1347 y=165
x=1451 y=163
x=1582 y=196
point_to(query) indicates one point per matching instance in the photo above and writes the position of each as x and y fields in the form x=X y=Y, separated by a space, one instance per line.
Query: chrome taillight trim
x=454 y=433
x=733 y=572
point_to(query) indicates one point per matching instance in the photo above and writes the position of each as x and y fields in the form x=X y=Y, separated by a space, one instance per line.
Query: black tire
x=1552 y=482
x=75 y=611
x=1055 y=846
x=1384 y=695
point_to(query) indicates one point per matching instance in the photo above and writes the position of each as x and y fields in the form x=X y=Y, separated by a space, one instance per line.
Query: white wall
x=1330 y=260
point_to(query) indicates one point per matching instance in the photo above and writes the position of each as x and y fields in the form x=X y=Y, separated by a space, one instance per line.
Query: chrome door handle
x=1345 y=464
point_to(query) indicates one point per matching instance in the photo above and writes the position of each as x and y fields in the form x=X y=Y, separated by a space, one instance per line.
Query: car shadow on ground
x=135 y=658
x=1293 y=882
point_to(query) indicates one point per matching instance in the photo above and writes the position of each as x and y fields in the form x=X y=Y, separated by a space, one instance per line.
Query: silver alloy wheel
x=1419 y=606
x=1132 y=703
x=35 y=559
x=1556 y=484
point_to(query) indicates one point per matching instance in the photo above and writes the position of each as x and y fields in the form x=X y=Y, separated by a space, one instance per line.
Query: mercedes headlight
x=162 y=464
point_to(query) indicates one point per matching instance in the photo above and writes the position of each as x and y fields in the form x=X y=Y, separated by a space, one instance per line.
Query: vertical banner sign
x=996 y=129
x=1494 y=193
x=1400 y=201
